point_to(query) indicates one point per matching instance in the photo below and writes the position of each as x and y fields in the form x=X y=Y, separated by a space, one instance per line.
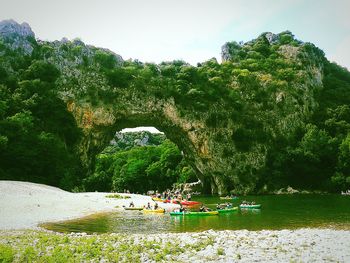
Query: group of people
x=169 y=195
x=149 y=207
x=223 y=206
x=248 y=203
x=204 y=209
x=181 y=209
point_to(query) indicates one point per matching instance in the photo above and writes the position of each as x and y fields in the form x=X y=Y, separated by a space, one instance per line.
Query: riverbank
x=25 y=205
x=302 y=245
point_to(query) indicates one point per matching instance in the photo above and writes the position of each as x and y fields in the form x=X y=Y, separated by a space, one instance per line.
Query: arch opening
x=141 y=159
x=99 y=124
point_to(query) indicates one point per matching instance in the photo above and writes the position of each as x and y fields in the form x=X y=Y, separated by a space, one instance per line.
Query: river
x=277 y=212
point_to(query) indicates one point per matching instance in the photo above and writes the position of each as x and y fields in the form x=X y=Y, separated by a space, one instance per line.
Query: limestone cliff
x=18 y=36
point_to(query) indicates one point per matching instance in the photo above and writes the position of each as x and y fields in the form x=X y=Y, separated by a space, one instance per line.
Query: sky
x=141 y=128
x=191 y=30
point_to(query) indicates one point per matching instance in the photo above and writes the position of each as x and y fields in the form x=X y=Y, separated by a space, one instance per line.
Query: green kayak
x=210 y=213
x=227 y=210
x=250 y=206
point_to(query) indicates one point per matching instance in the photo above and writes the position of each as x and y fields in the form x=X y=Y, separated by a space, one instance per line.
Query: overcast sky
x=192 y=30
x=141 y=128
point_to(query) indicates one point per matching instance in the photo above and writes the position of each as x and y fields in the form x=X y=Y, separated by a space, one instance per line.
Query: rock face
x=219 y=145
x=17 y=35
x=10 y=27
x=272 y=38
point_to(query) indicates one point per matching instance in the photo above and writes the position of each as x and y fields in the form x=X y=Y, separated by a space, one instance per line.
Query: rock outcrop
x=17 y=35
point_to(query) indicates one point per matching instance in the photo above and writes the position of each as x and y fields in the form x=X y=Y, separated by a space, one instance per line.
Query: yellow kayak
x=153 y=211
x=157 y=199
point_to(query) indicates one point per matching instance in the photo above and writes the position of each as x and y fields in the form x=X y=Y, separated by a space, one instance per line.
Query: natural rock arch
x=224 y=125
x=100 y=123
x=231 y=119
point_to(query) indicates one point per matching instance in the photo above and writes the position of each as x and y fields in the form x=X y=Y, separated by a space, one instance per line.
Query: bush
x=6 y=254
x=106 y=60
x=43 y=71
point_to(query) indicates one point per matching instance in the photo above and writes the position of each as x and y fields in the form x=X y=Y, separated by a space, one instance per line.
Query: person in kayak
x=156 y=206
x=204 y=209
x=182 y=209
x=148 y=206
x=131 y=204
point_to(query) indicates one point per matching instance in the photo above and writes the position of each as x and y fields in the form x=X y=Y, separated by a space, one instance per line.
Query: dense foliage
x=129 y=140
x=37 y=133
x=156 y=164
x=262 y=92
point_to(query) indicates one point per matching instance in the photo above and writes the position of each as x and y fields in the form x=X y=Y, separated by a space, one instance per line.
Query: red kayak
x=184 y=202
x=190 y=203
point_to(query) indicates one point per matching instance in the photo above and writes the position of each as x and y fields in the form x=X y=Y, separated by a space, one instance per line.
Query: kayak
x=184 y=202
x=209 y=213
x=133 y=208
x=157 y=199
x=250 y=206
x=228 y=198
x=153 y=211
x=190 y=203
x=227 y=210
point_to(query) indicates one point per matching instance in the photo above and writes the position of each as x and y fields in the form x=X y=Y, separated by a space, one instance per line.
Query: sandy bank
x=25 y=205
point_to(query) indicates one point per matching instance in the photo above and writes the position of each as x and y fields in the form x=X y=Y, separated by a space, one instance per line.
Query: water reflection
x=277 y=212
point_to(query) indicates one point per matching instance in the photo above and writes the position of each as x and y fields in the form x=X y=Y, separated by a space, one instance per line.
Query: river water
x=277 y=212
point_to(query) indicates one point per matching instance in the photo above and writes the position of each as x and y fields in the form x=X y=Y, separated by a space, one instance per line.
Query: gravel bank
x=302 y=245
x=25 y=205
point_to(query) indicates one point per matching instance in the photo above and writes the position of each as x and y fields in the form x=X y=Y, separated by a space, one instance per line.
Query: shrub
x=6 y=254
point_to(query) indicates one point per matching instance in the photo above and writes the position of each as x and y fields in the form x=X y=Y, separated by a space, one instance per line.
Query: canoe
x=227 y=210
x=158 y=211
x=133 y=208
x=250 y=206
x=210 y=213
x=184 y=202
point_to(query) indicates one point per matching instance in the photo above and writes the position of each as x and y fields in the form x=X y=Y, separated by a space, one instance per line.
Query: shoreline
x=25 y=205
x=301 y=245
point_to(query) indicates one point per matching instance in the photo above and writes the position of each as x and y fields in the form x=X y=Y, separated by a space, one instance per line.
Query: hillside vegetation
x=274 y=113
x=139 y=161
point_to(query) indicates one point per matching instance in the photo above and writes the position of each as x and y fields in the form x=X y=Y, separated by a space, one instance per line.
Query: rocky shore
x=302 y=245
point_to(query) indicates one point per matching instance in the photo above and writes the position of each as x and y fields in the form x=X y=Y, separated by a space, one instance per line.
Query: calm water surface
x=277 y=212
